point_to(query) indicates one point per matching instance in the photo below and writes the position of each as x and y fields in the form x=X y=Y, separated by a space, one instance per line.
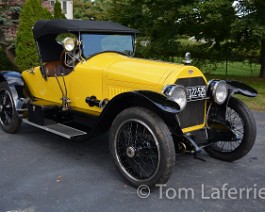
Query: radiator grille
x=193 y=114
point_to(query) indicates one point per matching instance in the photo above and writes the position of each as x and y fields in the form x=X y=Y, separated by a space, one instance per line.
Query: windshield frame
x=133 y=39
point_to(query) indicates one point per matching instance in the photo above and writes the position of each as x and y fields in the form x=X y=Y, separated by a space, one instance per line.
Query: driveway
x=41 y=172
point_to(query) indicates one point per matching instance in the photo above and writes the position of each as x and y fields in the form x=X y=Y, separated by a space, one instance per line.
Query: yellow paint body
x=107 y=75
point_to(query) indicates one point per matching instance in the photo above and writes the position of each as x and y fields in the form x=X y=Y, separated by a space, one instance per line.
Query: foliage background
x=214 y=31
x=23 y=47
x=222 y=30
x=26 y=50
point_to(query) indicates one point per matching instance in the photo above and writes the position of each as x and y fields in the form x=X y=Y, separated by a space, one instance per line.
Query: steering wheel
x=69 y=59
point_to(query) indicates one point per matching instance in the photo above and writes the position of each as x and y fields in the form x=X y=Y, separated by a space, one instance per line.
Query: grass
x=233 y=69
x=241 y=72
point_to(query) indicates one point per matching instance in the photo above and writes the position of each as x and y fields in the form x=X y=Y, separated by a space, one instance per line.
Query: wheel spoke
x=7 y=118
x=136 y=135
x=6 y=110
x=8 y=106
x=137 y=150
x=143 y=173
x=237 y=127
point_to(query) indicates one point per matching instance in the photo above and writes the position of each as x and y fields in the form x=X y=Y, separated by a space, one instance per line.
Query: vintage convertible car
x=89 y=82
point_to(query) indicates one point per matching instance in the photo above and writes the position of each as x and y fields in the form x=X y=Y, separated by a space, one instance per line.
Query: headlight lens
x=220 y=92
x=176 y=93
x=69 y=44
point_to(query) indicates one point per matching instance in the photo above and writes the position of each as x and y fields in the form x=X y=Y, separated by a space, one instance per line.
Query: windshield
x=96 y=43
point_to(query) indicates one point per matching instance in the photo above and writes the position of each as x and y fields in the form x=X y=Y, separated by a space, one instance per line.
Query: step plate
x=59 y=129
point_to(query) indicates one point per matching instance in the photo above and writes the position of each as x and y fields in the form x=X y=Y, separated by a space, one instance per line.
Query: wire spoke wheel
x=241 y=122
x=6 y=109
x=235 y=122
x=137 y=149
x=142 y=147
x=9 y=120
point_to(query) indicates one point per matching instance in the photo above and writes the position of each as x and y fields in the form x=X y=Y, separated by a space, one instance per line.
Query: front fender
x=161 y=102
x=156 y=102
x=216 y=113
x=237 y=87
x=16 y=86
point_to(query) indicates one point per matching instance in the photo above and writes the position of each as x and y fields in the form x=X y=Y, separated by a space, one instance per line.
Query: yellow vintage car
x=89 y=82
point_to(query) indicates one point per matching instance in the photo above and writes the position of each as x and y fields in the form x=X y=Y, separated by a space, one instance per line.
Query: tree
x=155 y=19
x=57 y=11
x=164 y=22
x=249 y=28
x=237 y=25
x=88 y=9
x=209 y=20
x=26 y=51
x=7 y=48
x=9 y=13
x=227 y=27
x=5 y=63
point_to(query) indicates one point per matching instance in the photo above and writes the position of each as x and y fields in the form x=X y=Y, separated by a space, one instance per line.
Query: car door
x=85 y=81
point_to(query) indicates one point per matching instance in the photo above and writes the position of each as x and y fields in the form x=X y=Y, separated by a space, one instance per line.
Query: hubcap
x=130 y=152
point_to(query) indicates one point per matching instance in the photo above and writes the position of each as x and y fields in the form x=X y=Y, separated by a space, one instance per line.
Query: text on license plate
x=196 y=92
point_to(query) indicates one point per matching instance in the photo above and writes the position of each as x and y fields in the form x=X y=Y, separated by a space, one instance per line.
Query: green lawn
x=241 y=72
x=232 y=69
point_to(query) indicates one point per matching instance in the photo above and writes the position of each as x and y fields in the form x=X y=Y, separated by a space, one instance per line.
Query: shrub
x=26 y=51
x=57 y=11
x=5 y=64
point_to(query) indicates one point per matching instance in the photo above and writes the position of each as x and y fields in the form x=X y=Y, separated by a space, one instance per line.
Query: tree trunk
x=10 y=56
x=262 y=59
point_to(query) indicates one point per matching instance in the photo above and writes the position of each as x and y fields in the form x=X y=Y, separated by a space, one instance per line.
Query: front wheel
x=142 y=147
x=242 y=123
x=9 y=119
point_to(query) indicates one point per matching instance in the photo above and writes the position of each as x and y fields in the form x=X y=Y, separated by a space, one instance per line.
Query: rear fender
x=16 y=87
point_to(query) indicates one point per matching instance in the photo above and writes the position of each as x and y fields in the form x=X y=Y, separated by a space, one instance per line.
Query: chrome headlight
x=69 y=44
x=219 y=91
x=176 y=93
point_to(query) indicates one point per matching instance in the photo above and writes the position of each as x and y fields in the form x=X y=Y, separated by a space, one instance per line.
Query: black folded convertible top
x=57 y=26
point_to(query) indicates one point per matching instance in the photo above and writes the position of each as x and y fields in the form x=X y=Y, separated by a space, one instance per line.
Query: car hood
x=122 y=73
x=139 y=71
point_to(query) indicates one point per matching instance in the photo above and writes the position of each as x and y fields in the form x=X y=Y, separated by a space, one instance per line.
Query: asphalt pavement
x=42 y=172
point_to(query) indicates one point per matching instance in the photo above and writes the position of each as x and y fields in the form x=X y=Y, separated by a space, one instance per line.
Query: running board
x=59 y=129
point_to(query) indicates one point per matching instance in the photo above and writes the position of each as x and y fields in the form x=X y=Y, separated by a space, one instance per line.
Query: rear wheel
x=241 y=121
x=9 y=120
x=142 y=147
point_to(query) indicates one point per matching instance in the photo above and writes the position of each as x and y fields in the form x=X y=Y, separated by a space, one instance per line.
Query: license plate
x=196 y=92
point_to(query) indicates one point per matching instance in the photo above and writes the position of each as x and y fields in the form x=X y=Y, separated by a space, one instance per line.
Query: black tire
x=242 y=122
x=9 y=119
x=142 y=147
